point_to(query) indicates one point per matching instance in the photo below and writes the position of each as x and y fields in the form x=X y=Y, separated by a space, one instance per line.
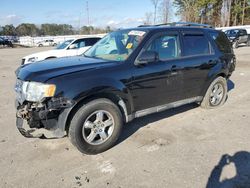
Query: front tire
x=216 y=94
x=96 y=126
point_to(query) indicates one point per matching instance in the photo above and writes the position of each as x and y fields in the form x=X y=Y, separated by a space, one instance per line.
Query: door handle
x=211 y=62
x=174 y=70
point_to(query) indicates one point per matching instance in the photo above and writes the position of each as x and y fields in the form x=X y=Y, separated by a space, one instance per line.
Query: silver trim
x=123 y=105
x=161 y=108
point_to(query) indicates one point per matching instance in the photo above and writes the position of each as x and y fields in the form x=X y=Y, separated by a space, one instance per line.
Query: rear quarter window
x=195 y=44
x=221 y=41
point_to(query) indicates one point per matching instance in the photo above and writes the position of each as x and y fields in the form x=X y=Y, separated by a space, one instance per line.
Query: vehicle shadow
x=241 y=161
x=230 y=85
x=136 y=124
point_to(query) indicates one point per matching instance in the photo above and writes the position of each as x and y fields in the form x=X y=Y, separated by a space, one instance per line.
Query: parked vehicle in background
x=128 y=74
x=237 y=37
x=46 y=43
x=65 y=49
x=5 y=42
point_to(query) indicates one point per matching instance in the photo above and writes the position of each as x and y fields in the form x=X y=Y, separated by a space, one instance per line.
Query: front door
x=73 y=49
x=159 y=82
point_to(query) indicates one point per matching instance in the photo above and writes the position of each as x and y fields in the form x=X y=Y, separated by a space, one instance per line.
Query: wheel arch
x=211 y=79
x=115 y=98
x=50 y=57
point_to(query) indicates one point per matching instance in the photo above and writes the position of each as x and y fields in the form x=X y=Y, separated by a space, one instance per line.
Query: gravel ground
x=178 y=148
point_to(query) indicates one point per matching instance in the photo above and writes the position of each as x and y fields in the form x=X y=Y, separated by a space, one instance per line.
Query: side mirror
x=72 y=46
x=148 y=57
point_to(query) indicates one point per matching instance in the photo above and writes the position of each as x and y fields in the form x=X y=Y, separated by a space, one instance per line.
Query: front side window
x=167 y=46
x=117 y=46
x=81 y=44
x=195 y=44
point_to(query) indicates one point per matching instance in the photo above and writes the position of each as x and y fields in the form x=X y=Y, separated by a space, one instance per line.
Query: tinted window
x=92 y=41
x=195 y=44
x=221 y=41
x=166 y=46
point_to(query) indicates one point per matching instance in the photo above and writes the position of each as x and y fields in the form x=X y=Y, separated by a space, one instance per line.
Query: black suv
x=238 y=36
x=128 y=74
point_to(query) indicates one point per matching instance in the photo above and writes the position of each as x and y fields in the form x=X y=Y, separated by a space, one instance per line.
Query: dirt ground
x=179 y=148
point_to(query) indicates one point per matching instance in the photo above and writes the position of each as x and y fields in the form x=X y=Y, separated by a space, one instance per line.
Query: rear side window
x=221 y=41
x=92 y=41
x=195 y=44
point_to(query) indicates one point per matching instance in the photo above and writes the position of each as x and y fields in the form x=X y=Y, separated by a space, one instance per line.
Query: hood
x=45 y=70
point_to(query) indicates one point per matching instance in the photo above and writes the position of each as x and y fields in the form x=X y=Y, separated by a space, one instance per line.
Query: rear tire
x=89 y=131
x=248 y=42
x=216 y=94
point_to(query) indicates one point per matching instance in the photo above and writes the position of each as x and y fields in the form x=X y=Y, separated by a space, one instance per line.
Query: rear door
x=198 y=59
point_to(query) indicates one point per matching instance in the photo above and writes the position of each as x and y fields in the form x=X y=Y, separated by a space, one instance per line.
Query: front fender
x=79 y=89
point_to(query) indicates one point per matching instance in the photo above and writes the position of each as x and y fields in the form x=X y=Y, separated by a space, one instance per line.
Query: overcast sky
x=115 y=13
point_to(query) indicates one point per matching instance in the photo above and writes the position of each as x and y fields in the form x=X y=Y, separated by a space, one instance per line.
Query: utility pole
x=87 y=10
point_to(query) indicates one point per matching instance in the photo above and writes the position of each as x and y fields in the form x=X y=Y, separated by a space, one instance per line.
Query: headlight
x=32 y=59
x=35 y=92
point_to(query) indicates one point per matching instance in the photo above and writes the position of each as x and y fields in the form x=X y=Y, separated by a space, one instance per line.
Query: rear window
x=222 y=41
x=195 y=44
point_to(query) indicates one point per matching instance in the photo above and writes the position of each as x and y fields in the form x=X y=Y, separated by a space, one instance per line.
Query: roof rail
x=180 y=24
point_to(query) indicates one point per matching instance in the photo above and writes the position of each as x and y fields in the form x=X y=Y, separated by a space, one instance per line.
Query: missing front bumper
x=45 y=120
x=28 y=132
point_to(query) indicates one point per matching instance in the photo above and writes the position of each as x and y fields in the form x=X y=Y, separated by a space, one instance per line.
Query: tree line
x=28 y=29
x=218 y=13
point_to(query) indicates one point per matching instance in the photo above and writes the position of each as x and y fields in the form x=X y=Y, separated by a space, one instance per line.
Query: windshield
x=116 y=46
x=232 y=33
x=64 y=44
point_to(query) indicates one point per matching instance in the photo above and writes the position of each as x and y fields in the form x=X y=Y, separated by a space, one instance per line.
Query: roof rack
x=180 y=24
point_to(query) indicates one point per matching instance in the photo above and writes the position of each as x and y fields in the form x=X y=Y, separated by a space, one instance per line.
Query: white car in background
x=46 y=43
x=66 y=49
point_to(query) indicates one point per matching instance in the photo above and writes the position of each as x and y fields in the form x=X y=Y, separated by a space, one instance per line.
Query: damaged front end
x=43 y=119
